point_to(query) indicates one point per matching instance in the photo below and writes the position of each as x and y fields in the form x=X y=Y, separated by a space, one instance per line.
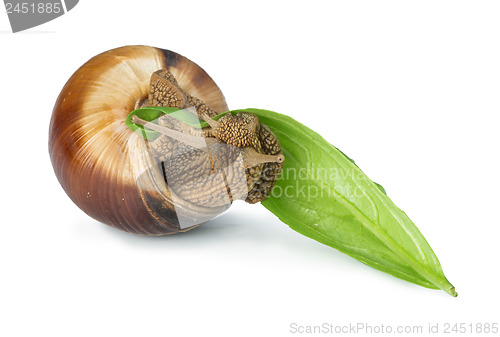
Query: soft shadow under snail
x=173 y=183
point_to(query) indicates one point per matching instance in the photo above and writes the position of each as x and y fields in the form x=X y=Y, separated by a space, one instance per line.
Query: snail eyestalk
x=213 y=124
x=196 y=142
x=252 y=158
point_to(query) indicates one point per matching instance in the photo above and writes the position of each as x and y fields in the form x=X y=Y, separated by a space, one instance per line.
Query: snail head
x=259 y=147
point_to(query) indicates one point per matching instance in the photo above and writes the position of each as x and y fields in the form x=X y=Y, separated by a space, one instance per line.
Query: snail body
x=166 y=185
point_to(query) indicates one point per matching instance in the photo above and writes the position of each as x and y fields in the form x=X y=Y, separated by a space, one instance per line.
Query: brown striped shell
x=102 y=165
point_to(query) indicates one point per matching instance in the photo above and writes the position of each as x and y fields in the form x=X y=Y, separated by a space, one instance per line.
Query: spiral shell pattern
x=102 y=165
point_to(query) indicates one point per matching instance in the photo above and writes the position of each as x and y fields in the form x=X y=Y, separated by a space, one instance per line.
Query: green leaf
x=325 y=196
x=352 y=161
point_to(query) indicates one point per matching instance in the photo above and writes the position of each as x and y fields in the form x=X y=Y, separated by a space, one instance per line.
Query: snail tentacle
x=196 y=142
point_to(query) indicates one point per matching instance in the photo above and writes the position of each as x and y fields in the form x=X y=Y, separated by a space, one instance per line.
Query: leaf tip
x=451 y=291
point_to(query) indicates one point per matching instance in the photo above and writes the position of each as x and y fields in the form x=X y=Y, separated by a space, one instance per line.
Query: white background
x=410 y=90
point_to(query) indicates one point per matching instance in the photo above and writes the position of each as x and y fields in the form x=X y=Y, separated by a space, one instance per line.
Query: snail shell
x=102 y=165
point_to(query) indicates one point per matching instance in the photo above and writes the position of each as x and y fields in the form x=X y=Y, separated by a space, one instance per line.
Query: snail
x=183 y=177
